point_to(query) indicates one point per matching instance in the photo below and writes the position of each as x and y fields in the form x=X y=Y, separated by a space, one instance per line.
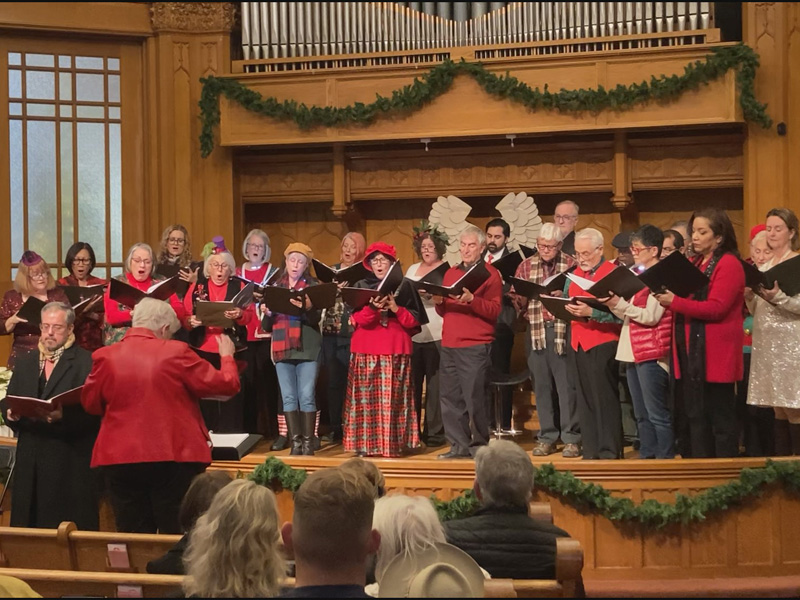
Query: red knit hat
x=756 y=230
x=387 y=250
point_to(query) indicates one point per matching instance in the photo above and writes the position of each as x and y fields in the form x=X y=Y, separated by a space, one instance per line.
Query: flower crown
x=432 y=231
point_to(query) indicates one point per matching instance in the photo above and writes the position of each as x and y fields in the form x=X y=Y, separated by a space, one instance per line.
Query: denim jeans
x=297 y=379
x=649 y=385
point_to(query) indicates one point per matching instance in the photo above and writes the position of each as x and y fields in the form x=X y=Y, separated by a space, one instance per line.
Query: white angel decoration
x=518 y=210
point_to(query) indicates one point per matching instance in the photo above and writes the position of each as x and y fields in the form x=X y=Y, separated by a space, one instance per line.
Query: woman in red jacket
x=152 y=438
x=380 y=419
x=140 y=273
x=708 y=337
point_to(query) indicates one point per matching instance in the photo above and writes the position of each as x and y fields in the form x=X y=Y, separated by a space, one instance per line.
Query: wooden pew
x=567 y=584
x=57 y=583
x=540 y=511
x=69 y=549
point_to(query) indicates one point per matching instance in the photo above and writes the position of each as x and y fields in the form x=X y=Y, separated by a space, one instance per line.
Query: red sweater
x=722 y=313
x=474 y=323
x=370 y=337
x=257 y=276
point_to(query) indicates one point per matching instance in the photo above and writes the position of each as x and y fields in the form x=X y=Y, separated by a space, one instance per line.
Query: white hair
x=592 y=235
x=154 y=314
x=571 y=203
x=760 y=236
x=224 y=255
x=264 y=238
x=550 y=231
x=407 y=524
x=472 y=230
x=140 y=246
x=60 y=307
x=504 y=474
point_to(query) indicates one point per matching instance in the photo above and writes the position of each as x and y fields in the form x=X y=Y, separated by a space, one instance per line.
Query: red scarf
x=287 y=331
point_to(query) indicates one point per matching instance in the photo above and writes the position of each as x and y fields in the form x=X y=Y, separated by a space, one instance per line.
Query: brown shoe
x=571 y=451
x=543 y=449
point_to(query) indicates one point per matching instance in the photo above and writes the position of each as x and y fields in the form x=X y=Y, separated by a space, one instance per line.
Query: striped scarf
x=533 y=270
x=55 y=355
x=287 y=331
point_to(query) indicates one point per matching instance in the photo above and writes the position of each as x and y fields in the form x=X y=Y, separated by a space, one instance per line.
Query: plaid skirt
x=379 y=415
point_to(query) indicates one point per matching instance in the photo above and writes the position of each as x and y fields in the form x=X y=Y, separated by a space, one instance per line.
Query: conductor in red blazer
x=707 y=357
x=152 y=438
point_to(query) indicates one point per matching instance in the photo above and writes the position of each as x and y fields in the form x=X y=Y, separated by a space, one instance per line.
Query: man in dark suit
x=52 y=478
x=566 y=217
x=497 y=234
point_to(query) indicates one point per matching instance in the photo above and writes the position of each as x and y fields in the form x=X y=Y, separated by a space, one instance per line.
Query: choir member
x=80 y=262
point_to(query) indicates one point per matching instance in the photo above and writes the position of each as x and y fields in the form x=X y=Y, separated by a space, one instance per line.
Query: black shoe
x=435 y=442
x=452 y=454
x=280 y=443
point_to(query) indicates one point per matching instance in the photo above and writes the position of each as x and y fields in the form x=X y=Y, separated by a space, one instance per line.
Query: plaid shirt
x=533 y=270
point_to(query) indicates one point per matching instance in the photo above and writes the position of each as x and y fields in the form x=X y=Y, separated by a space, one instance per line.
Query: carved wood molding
x=192 y=17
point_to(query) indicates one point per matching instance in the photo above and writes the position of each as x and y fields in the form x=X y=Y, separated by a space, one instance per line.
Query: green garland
x=438 y=80
x=563 y=484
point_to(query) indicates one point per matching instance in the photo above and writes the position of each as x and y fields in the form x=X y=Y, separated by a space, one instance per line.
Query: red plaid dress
x=379 y=416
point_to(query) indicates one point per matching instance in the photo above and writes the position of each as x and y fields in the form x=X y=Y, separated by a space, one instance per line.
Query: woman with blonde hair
x=33 y=279
x=234 y=550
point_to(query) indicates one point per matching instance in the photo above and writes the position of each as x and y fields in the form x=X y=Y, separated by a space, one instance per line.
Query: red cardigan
x=722 y=313
x=474 y=323
x=146 y=390
x=120 y=316
x=370 y=337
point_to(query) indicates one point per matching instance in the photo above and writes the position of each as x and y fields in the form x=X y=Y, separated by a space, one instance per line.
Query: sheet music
x=230 y=440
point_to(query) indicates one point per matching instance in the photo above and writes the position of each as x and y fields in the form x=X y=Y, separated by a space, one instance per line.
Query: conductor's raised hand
x=225 y=345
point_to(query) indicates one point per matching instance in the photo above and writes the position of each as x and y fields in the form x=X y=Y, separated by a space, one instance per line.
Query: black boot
x=280 y=443
x=295 y=432
x=309 y=420
x=783 y=444
x=794 y=436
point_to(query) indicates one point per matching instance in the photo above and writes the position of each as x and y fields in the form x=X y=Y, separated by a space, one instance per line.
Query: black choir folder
x=621 y=281
x=129 y=296
x=472 y=279
x=31 y=310
x=349 y=275
x=34 y=408
x=358 y=298
x=232 y=446
x=787 y=274
x=277 y=299
x=675 y=274
x=81 y=297
x=212 y=313
x=558 y=306
x=508 y=264
x=532 y=290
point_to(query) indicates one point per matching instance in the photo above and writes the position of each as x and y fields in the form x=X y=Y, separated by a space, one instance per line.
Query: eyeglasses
x=216 y=265
x=564 y=217
x=545 y=247
x=82 y=261
x=54 y=328
x=378 y=259
x=176 y=241
x=38 y=275
x=142 y=261
x=638 y=249
x=256 y=246
x=587 y=254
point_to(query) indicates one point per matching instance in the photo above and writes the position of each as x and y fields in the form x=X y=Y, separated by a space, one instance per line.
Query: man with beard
x=497 y=234
x=53 y=481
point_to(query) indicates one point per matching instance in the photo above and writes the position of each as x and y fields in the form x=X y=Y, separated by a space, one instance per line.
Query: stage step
x=736 y=587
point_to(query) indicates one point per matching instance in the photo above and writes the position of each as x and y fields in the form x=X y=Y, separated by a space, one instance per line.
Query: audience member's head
x=566 y=216
x=673 y=242
x=408 y=525
x=331 y=532
x=439 y=571
x=503 y=475
x=370 y=471
x=199 y=496
x=234 y=549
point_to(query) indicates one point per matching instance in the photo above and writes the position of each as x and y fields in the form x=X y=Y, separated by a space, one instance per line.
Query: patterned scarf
x=54 y=356
x=533 y=270
x=287 y=331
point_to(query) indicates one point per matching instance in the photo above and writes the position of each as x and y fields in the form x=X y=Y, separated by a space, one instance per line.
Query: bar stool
x=498 y=381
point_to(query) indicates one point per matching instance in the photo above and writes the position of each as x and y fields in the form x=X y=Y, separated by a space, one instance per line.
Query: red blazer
x=722 y=313
x=146 y=390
